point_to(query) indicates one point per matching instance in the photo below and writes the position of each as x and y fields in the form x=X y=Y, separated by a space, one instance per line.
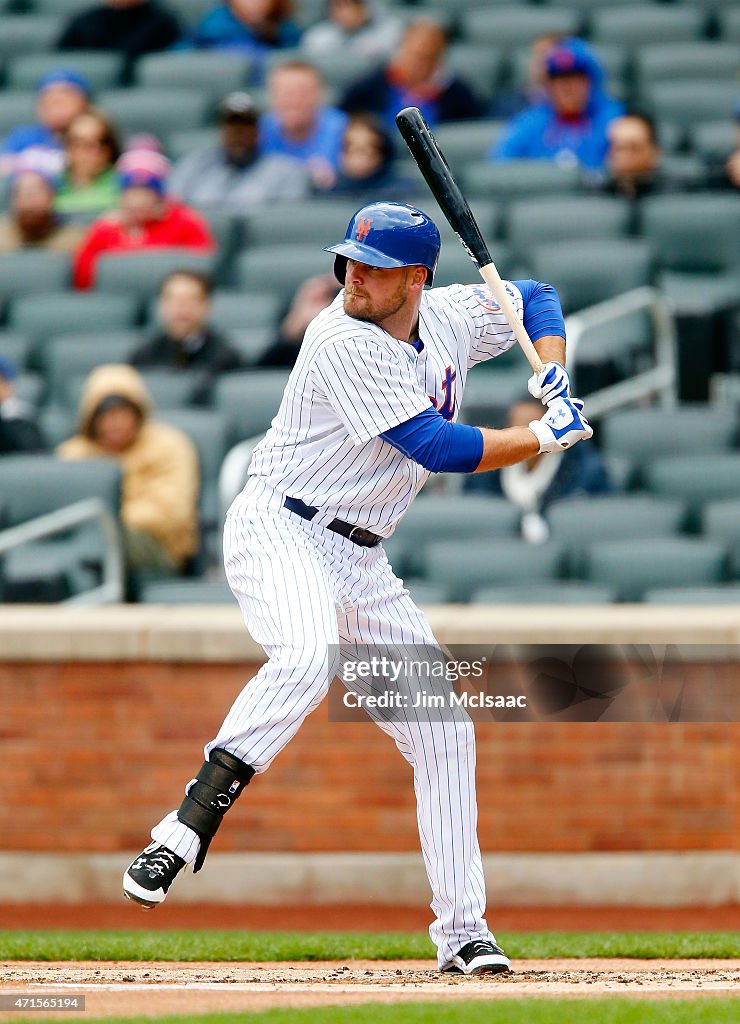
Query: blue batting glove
x=553 y=382
x=562 y=426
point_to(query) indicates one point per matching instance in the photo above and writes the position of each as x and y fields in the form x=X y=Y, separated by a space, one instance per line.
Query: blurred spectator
x=315 y=294
x=90 y=183
x=300 y=124
x=186 y=340
x=146 y=218
x=132 y=27
x=533 y=485
x=633 y=159
x=232 y=174
x=360 y=27
x=18 y=429
x=62 y=94
x=414 y=76
x=725 y=173
x=253 y=27
x=366 y=164
x=32 y=221
x=509 y=100
x=569 y=126
x=159 y=465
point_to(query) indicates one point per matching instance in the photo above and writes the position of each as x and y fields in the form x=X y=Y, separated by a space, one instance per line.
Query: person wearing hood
x=159 y=464
x=570 y=125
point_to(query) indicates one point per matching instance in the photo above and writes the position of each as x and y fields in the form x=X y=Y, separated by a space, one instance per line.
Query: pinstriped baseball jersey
x=352 y=381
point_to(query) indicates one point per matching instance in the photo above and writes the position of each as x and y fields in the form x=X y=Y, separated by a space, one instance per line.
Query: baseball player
x=369 y=411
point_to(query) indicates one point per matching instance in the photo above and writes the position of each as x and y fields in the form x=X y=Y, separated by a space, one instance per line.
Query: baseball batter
x=369 y=411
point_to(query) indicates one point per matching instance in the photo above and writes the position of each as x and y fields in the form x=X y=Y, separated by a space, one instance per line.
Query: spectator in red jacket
x=146 y=219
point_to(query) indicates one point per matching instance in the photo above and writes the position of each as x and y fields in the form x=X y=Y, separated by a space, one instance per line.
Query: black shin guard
x=217 y=786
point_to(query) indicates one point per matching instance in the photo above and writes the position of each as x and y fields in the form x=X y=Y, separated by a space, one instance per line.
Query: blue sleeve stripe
x=543 y=314
x=436 y=444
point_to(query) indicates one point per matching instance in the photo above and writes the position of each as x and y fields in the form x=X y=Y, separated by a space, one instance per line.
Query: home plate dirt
x=150 y=989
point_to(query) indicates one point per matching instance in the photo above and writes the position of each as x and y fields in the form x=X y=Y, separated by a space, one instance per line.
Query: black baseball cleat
x=148 y=877
x=479 y=957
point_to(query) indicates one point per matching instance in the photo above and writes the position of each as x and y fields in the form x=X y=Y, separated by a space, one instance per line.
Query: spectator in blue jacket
x=570 y=125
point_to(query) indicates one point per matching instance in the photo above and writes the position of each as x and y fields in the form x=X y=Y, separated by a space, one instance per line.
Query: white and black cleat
x=148 y=878
x=479 y=957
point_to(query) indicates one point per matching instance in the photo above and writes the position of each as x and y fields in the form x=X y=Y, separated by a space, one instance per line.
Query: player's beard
x=361 y=306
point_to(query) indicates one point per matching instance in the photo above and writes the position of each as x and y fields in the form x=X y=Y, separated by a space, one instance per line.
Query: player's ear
x=418 y=277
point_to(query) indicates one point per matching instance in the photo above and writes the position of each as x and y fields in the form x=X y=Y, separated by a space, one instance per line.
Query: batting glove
x=562 y=425
x=551 y=383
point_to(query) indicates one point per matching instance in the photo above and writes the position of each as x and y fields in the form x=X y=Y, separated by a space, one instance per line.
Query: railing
x=111 y=590
x=659 y=379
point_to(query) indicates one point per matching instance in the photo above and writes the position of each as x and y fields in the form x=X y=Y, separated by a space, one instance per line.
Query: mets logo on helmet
x=363 y=228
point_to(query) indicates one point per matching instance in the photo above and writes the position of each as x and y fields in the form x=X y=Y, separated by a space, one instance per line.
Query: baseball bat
x=433 y=166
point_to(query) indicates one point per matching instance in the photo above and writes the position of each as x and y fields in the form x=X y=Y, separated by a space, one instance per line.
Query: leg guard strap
x=217 y=786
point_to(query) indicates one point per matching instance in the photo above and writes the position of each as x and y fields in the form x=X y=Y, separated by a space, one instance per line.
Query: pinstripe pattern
x=310 y=596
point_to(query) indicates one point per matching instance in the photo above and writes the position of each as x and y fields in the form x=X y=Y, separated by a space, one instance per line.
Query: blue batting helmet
x=388 y=235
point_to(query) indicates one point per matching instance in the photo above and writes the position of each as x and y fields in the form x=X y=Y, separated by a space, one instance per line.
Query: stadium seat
x=281 y=269
x=466 y=142
x=578 y=522
x=57 y=423
x=159 y=111
x=206 y=428
x=721 y=522
x=639 y=564
x=316 y=222
x=729 y=24
x=638 y=25
x=342 y=68
x=532 y=221
x=480 y=66
x=251 y=342
x=554 y=593
x=467 y=566
x=723 y=593
x=714 y=140
x=102 y=69
x=29 y=387
x=705 y=60
x=519 y=178
x=490 y=391
x=16 y=347
x=217 y=72
x=695 y=479
x=28 y=33
x=425 y=593
x=249 y=400
x=71 y=357
x=16 y=108
x=31 y=271
x=179 y=144
x=593 y=270
x=42 y=316
x=140 y=274
x=170 y=389
x=236 y=310
x=507 y=27
x=456 y=267
x=486 y=212
x=646 y=434
x=686 y=103
x=186 y=592
x=693 y=232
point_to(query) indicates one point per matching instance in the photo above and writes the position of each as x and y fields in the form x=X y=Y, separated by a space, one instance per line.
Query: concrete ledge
x=217 y=634
x=398 y=879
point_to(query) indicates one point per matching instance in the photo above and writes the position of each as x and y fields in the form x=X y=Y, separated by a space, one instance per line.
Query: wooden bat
x=432 y=164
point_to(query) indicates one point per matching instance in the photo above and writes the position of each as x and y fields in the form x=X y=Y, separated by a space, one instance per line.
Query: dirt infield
x=146 y=990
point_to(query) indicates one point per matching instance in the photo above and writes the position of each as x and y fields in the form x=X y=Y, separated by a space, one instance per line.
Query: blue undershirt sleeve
x=436 y=444
x=543 y=314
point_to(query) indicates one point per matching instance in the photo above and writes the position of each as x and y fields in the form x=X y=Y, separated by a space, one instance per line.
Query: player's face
x=375 y=293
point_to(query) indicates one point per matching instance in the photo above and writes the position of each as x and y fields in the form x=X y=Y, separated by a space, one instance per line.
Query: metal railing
x=659 y=379
x=111 y=590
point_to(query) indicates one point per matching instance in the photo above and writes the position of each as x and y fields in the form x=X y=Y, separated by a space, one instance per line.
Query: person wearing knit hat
x=62 y=94
x=32 y=221
x=147 y=217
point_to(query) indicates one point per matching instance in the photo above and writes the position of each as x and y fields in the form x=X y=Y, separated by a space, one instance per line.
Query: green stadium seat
x=480 y=66
x=702 y=60
x=695 y=479
x=170 y=389
x=159 y=111
x=29 y=388
x=41 y=316
x=491 y=390
x=71 y=357
x=466 y=142
x=179 y=144
x=342 y=68
x=646 y=434
x=28 y=33
x=102 y=69
x=16 y=347
x=723 y=593
x=249 y=400
x=186 y=592
x=31 y=271
x=531 y=222
x=693 y=232
x=507 y=27
x=140 y=274
x=316 y=222
x=468 y=564
x=639 y=564
x=511 y=179
x=686 y=103
x=579 y=522
x=456 y=267
x=57 y=423
x=700 y=294
x=16 y=108
x=486 y=212
x=556 y=593
x=235 y=310
x=424 y=593
x=714 y=140
x=281 y=269
x=251 y=342
x=206 y=428
x=217 y=72
x=729 y=24
x=591 y=271
x=638 y=25
x=721 y=522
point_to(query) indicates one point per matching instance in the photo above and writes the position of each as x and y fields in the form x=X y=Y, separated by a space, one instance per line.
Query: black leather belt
x=357 y=534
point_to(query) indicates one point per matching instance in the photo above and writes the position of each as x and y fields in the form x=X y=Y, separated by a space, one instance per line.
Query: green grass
x=505 y=1011
x=232 y=946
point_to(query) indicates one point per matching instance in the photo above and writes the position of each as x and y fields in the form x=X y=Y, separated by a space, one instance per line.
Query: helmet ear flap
x=340 y=268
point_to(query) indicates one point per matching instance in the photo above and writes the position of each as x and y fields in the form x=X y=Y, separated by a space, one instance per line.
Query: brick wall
x=94 y=753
